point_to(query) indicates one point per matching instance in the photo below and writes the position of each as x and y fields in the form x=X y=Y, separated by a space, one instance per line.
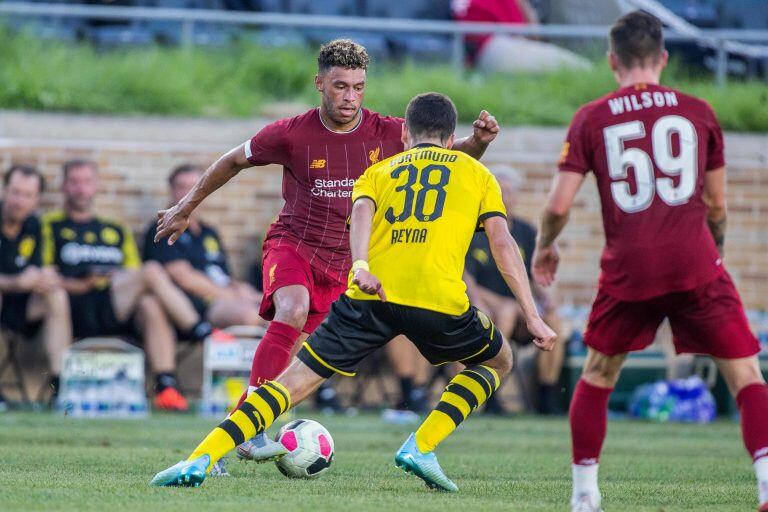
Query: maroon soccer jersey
x=320 y=167
x=649 y=147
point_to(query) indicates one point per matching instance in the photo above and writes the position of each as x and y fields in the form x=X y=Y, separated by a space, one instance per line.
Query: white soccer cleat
x=585 y=503
x=261 y=449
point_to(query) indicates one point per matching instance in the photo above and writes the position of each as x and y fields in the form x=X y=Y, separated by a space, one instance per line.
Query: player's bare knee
x=740 y=373
x=293 y=313
x=503 y=361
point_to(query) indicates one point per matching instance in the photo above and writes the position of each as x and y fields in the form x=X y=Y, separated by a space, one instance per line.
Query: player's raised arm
x=486 y=128
x=553 y=220
x=173 y=222
x=506 y=254
x=360 y=225
x=714 y=197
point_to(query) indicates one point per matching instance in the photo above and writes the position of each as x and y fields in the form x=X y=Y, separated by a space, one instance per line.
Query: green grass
x=521 y=464
x=240 y=80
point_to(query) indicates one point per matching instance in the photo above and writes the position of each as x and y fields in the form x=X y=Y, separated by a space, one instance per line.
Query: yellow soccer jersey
x=429 y=202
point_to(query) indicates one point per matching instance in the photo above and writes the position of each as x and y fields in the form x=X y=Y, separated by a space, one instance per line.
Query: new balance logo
x=317 y=164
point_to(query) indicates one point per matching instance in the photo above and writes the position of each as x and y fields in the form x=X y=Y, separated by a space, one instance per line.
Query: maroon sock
x=589 y=420
x=272 y=355
x=753 y=405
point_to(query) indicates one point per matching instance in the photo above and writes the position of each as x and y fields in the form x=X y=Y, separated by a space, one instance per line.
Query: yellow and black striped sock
x=465 y=393
x=259 y=410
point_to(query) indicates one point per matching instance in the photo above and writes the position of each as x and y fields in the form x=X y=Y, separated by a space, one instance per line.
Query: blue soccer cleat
x=187 y=473
x=423 y=465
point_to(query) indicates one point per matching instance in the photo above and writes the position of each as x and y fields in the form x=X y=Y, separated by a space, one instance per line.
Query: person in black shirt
x=111 y=293
x=198 y=263
x=31 y=296
x=486 y=289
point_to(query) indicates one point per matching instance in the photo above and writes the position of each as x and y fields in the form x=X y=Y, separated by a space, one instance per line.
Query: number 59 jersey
x=429 y=202
x=650 y=148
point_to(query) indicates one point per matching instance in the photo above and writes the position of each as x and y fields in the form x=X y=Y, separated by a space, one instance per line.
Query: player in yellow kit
x=412 y=221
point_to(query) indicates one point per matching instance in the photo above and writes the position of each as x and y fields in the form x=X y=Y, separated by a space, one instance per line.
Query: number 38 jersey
x=429 y=202
x=650 y=148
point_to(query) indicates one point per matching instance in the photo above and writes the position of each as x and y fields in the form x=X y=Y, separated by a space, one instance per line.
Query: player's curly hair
x=342 y=53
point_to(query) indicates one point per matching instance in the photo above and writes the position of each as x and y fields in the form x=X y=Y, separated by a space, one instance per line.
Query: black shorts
x=93 y=315
x=13 y=314
x=355 y=328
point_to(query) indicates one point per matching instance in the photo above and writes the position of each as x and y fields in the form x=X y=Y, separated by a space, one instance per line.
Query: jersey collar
x=359 y=122
x=426 y=145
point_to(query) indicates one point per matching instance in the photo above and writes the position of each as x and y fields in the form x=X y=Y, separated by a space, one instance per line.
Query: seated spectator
x=504 y=53
x=198 y=264
x=110 y=292
x=32 y=296
x=488 y=291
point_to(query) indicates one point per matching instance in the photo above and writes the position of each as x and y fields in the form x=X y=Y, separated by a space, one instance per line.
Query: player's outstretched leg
x=272 y=357
x=588 y=417
x=255 y=414
x=466 y=391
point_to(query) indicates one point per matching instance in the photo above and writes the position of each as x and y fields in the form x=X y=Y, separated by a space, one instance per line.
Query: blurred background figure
x=410 y=369
x=198 y=263
x=488 y=291
x=32 y=296
x=504 y=53
x=111 y=293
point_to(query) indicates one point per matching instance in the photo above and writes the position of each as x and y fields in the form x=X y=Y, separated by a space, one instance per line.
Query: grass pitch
x=522 y=464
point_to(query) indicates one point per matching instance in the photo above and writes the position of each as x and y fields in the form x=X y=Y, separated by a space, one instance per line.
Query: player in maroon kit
x=306 y=251
x=657 y=156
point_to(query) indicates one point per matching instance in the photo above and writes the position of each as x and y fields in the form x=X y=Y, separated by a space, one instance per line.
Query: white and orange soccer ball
x=310 y=449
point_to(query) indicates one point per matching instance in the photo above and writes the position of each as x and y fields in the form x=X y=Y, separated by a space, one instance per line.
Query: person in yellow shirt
x=110 y=292
x=412 y=221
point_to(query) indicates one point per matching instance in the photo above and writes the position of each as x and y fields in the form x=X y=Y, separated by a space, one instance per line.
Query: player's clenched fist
x=171 y=223
x=543 y=336
x=369 y=283
x=486 y=127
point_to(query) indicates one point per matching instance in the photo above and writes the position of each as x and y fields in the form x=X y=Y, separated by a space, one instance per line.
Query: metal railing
x=723 y=42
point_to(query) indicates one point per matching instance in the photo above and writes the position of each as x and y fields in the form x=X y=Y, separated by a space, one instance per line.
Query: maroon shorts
x=708 y=320
x=283 y=266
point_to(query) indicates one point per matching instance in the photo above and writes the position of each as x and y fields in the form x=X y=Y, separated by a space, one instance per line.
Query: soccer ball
x=310 y=449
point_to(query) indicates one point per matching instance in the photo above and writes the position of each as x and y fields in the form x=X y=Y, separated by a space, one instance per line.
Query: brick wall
x=135 y=155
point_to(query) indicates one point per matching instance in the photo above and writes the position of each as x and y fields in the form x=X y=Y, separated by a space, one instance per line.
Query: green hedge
x=239 y=80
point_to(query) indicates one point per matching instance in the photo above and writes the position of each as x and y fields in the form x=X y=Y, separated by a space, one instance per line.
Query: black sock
x=406 y=388
x=199 y=331
x=493 y=406
x=54 y=383
x=165 y=380
x=417 y=400
x=545 y=398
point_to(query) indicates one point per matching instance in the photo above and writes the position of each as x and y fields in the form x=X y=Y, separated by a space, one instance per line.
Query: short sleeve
x=131 y=258
x=269 y=146
x=574 y=154
x=715 y=145
x=491 y=204
x=365 y=186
